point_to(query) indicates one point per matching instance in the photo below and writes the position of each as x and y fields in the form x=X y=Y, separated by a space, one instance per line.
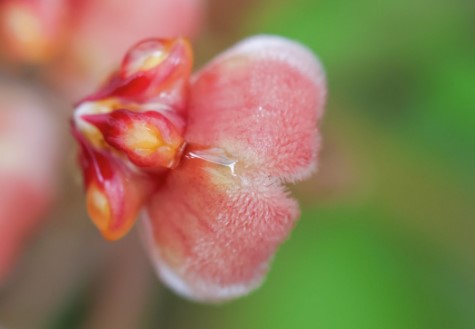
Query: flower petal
x=114 y=193
x=262 y=99
x=148 y=139
x=29 y=154
x=154 y=70
x=34 y=31
x=212 y=232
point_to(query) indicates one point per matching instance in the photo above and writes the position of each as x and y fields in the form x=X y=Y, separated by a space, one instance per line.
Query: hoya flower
x=204 y=159
x=82 y=40
x=28 y=163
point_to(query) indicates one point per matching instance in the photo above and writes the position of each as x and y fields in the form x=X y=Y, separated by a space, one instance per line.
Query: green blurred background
x=387 y=234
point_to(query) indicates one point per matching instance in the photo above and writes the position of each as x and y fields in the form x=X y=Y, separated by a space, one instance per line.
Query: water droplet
x=214 y=155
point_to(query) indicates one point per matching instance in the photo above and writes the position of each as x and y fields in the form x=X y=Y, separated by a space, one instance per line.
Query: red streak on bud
x=152 y=71
x=131 y=131
x=147 y=138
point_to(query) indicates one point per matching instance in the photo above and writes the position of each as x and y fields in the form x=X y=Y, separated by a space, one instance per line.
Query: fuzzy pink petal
x=212 y=234
x=221 y=215
x=260 y=101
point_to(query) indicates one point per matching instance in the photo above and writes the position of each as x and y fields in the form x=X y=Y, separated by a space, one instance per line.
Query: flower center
x=131 y=132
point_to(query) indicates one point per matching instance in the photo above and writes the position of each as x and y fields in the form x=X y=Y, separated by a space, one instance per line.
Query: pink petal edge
x=263 y=99
x=211 y=235
x=272 y=47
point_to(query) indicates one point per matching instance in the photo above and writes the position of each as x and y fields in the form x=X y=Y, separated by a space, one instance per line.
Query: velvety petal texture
x=217 y=221
x=212 y=232
x=260 y=102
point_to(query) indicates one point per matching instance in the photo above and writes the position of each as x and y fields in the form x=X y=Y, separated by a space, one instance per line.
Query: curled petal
x=114 y=193
x=131 y=130
x=212 y=232
x=262 y=99
x=153 y=70
x=147 y=138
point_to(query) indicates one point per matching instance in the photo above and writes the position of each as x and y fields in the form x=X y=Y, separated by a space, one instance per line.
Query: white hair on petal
x=280 y=49
x=173 y=278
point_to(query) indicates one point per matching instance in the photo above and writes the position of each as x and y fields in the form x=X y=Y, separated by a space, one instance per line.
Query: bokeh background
x=387 y=234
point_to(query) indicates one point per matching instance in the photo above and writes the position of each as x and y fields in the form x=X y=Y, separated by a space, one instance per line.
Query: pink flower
x=86 y=38
x=28 y=163
x=205 y=159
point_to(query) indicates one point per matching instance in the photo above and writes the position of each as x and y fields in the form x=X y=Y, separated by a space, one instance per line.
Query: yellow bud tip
x=148 y=61
x=143 y=138
x=149 y=54
x=146 y=57
x=98 y=207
